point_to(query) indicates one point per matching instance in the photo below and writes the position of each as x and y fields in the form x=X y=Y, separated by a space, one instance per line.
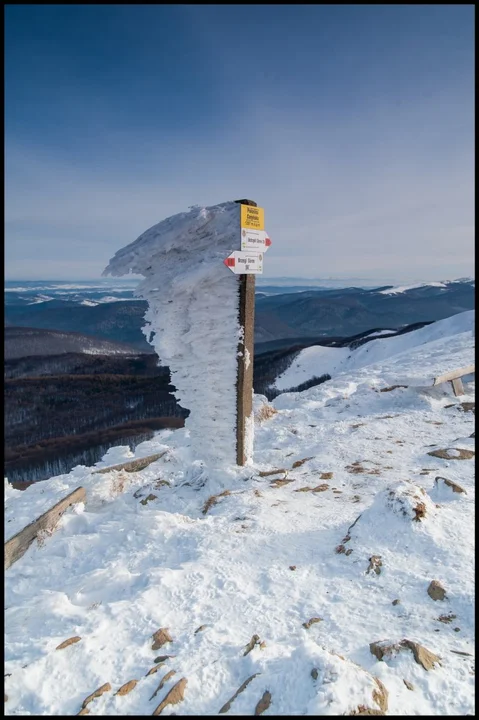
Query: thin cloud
x=379 y=187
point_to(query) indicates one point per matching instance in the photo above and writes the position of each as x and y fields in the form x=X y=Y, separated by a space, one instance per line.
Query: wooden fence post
x=244 y=386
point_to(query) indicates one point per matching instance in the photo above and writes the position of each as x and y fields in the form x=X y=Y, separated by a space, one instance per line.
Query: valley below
x=81 y=378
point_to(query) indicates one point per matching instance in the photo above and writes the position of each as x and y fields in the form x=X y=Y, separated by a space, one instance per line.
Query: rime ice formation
x=193 y=313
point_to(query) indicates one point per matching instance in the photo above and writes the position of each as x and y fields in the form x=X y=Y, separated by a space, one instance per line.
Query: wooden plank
x=457 y=386
x=468 y=370
x=245 y=353
x=130 y=466
x=17 y=546
x=244 y=406
x=133 y=465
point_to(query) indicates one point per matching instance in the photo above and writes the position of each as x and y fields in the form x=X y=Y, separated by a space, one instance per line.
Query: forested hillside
x=311 y=313
x=67 y=409
x=26 y=341
x=54 y=421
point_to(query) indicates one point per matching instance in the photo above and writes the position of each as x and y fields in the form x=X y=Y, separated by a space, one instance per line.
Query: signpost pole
x=244 y=386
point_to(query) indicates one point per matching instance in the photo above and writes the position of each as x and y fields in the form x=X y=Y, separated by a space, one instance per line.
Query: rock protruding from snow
x=449 y=485
x=160 y=638
x=192 y=317
x=409 y=501
x=173 y=697
x=384 y=650
x=263 y=704
x=436 y=590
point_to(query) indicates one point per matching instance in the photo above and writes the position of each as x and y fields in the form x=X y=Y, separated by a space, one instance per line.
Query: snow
x=116 y=570
x=112 y=298
x=193 y=306
x=40 y=299
x=312 y=361
x=249 y=438
x=104 y=299
x=405 y=288
x=318 y=360
x=380 y=333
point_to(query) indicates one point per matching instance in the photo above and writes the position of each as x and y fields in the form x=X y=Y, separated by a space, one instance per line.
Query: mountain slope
x=331 y=551
x=316 y=360
x=347 y=311
x=24 y=341
x=310 y=313
x=115 y=321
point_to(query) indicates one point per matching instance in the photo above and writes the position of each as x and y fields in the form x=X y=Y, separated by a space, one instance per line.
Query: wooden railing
x=454 y=377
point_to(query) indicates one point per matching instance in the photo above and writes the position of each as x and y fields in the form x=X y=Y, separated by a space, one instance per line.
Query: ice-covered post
x=244 y=386
x=200 y=318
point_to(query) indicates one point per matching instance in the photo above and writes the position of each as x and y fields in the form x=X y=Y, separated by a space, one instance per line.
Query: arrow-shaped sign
x=244 y=263
x=256 y=240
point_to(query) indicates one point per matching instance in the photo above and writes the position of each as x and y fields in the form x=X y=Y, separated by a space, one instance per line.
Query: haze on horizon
x=353 y=126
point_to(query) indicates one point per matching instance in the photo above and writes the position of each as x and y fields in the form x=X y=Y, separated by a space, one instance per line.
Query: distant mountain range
x=23 y=342
x=348 y=311
x=80 y=376
x=283 y=314
x=118 y=321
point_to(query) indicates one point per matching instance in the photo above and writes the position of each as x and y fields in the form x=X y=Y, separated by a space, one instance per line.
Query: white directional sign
x=244 y=263
x=257 y=240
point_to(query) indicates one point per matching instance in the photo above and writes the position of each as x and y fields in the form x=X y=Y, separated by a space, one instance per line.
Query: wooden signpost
x=247 y=263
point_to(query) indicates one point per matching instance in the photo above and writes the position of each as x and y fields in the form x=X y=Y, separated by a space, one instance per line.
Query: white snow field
x=405 y=288
x=318 y=360
x=283 y=556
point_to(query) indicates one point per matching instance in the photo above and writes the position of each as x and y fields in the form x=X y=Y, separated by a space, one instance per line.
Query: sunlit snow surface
x=116 y=570
x=318 y=360
x=405 y=288
x=193 y=311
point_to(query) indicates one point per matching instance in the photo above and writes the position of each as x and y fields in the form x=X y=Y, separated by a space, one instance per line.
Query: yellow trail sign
x=252 y=217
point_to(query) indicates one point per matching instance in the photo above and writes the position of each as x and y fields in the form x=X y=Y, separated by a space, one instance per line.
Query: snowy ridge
x=405 y=288
x=317 y=360
x=22 y=342
x=41 y=299
x=105 y=299
x=64 y=288
x=193 y=311
x=217 y=554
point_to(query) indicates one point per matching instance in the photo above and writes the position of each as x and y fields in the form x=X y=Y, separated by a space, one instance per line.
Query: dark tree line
x=61 y=411
x=83 y=364
x=58 y=406
x=269 y=365
x=59 y=455
x=56 y=421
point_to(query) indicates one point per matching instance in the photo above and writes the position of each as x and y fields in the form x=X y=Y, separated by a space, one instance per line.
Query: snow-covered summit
x=350 y=538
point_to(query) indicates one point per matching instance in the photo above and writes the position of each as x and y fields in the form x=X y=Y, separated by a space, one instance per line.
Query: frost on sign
x=193 y=312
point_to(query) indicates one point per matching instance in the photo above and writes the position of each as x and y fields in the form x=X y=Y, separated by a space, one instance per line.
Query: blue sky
x=353 y=126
